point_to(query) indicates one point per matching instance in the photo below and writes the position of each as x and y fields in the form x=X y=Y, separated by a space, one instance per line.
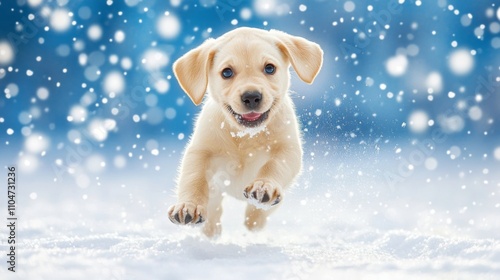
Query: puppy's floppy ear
x=306 y=57
x=191 y=70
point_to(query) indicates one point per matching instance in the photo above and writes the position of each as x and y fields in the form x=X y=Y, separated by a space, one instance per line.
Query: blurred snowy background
x=402 y=147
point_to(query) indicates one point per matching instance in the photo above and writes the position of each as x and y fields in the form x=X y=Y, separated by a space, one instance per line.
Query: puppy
x=246 y=141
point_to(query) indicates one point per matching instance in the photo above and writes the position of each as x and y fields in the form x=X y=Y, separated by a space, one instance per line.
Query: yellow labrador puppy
x=247 y=141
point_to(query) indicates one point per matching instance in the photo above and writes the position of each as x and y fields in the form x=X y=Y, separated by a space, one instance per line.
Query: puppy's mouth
x=252 y=119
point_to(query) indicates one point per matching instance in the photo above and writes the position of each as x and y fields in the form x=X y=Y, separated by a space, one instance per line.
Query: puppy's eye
x=227 y=73
x=269 y=69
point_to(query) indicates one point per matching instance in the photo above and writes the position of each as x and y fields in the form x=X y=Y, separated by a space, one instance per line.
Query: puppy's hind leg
x=213 y=226
x=255 y=218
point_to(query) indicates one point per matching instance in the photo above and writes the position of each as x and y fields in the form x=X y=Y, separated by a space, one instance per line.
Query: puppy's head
x=246 y=71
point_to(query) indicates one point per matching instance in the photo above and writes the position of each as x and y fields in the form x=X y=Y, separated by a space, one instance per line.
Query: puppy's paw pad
x=186 y=213
x=263 y=194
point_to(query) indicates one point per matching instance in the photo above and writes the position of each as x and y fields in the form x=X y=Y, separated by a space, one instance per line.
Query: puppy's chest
x=232 y=170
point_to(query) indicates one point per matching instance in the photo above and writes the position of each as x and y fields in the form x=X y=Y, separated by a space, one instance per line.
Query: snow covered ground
x=341 y=221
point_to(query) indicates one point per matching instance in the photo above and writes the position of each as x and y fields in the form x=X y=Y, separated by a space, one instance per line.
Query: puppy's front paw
x=263 y=193
x=186 y=213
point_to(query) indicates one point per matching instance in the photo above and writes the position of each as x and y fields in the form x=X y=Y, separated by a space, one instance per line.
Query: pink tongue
x=251 y=117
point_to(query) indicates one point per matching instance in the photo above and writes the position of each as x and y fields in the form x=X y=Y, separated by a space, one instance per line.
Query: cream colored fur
x=224 y=157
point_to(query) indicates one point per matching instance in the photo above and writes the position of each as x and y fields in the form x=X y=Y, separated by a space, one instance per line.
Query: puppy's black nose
x=251 y=99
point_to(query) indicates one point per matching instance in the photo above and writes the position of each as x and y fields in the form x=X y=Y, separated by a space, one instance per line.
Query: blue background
x=363 y=112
